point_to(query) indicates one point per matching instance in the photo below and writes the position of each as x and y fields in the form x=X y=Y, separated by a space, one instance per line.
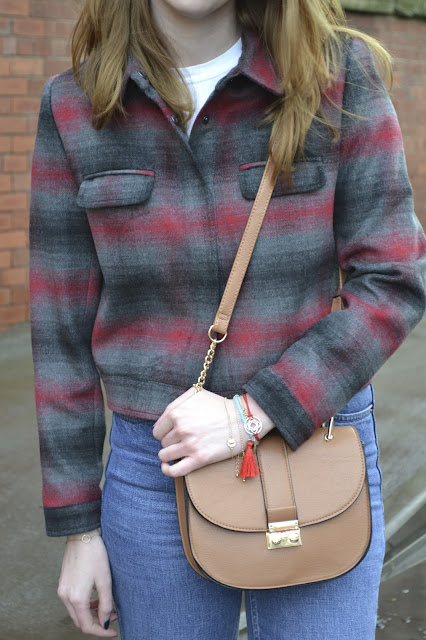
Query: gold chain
x=207 y=362
x=208 y=359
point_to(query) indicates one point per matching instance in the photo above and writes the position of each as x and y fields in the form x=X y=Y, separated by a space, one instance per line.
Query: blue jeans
x=158 y=595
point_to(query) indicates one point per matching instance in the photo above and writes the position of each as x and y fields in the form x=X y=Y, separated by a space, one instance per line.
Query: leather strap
x=276 y=479
x=245 y=250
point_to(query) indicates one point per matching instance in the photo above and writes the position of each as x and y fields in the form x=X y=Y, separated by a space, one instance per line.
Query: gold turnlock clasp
x=283 y=534
x=208 y=359
x=329 y=435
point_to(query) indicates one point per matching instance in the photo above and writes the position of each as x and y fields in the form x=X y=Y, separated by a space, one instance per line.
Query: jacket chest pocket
x=307 y=176
x=115 y=188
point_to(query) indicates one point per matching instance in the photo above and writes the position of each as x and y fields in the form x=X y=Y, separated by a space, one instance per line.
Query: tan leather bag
x=306 y=517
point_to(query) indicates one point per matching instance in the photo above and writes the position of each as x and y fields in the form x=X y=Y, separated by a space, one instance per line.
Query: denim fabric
x=158 y=595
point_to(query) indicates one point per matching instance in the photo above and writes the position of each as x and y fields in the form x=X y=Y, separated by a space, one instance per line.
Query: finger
x=94 y=604
x=173 y=452
x=89 y=623
x=105 y=603
x=181 y=468
x=72 y=613
x=165 y=423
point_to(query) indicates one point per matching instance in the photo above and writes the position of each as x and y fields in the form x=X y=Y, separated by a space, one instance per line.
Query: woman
x=139 y=199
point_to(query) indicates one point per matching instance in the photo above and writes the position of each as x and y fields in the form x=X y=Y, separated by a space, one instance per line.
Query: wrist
x=258 y=412
x=77 y=536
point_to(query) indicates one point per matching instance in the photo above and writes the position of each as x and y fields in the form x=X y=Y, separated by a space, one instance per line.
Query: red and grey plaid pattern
x=133 y=230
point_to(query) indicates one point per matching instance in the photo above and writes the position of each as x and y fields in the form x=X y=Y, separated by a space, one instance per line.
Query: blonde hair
x=304 y=37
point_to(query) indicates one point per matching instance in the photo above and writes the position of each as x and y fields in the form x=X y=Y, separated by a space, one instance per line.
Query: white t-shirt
x=202 y=78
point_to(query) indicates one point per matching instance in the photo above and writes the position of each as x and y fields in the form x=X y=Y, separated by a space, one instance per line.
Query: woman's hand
x=195 y=427
x=84 y=567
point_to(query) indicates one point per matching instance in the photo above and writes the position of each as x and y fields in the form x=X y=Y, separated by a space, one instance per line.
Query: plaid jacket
x=133 y=230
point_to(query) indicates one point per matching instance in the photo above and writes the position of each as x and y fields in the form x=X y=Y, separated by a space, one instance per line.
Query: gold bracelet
x=85 y=537
x=241 y=439
x=231 y=442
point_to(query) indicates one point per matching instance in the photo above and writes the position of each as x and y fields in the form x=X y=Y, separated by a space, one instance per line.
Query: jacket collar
x=255 y=63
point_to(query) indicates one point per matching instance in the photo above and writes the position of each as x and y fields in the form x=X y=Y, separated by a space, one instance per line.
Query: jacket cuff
x=289 y=417
x=74 y=518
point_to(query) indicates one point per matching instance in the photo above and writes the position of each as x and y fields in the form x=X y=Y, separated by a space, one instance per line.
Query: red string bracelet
x=249 y=413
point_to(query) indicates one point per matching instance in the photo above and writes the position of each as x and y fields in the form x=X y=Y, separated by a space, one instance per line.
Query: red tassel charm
x=249 y=468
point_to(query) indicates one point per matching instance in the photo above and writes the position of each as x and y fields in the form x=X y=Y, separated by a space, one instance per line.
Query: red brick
x=20 y=257
x=4 y=296
x=13 y=239
x=13 y=124
x=20 y=220
x=59 y=29
x=13 y=86
x=21 y=182
x=32 y=120
x=59 y=47
x=21 y=144
x=17 y=163
x=35 y=86
x=5 y=259
x=52 y=67
x=26 y=67
x=54 y=9
x=20 y=295
x=5 y=25
x=8 y=46
x=5 y=105
x=5 y=184
x=5 y=144
x=41 y=47
x=25 y=47
x=12 y=315
x=15 y=7
x=4 y=67
x=13 y=276
x=28 y=27
x=25 y=105
x=5 y=222
x=13 y=202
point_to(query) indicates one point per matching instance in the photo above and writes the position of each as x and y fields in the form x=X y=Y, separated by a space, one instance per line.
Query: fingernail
x=106 y=623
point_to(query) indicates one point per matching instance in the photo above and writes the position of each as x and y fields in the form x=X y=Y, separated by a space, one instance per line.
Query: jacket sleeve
x=381 y=245
x=65 y=285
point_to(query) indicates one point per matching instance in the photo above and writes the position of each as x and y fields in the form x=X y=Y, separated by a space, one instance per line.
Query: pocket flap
x=307 y=176
x=115 y=188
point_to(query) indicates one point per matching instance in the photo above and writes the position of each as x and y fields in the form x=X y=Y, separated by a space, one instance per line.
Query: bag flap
x=327 y=478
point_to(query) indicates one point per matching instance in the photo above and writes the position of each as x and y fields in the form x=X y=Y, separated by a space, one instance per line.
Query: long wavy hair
x=304 y=37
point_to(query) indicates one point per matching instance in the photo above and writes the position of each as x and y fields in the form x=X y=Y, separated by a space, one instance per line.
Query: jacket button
x=206 y=119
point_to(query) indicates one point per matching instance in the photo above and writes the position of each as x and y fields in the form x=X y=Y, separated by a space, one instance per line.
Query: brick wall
x=34 y=45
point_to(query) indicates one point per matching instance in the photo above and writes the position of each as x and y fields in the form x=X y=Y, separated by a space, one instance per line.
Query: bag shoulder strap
x=245 y=251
